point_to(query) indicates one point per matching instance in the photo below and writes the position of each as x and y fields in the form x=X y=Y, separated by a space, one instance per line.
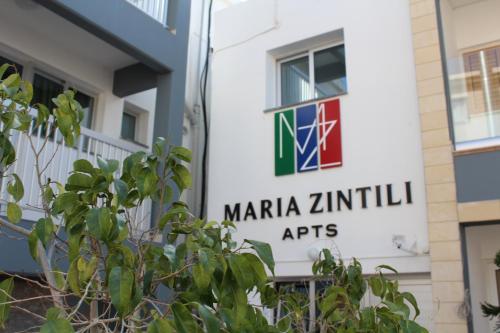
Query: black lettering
x=329 y=201
x=250 y=212
x=302 y=231
x=409 y=199
x=232 y=215
x=316 y=229
x=288 y=234
x=390 y=200
x=317 y=199
x=347 y=202
x=378 y=193
x=292 y=206
x=265 y=209
x=331 y=230
x=363 y=191
x=279 y=207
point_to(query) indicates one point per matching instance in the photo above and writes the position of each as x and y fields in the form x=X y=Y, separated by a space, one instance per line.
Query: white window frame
x=32 y=67
x=310 y=54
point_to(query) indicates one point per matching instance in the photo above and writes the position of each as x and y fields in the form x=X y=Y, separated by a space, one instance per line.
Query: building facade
x=369 y=128
x=127 y=60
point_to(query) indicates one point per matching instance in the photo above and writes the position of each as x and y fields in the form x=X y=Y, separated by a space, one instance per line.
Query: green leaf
x=264 y=251
x=121 y=189
x=377 y=285
x=182 y=153
x=57 y=326
x=73 y=277
x=83 y=166
x=107 y=166
x=33 y=245
x=241 y=269
x=3 y=69
x=184 y=321
x=99 y=222
x=65 y=202
x=79 y=181
x=381 y=267
x=411 y=299
x=14 y=212
x=7 y=151
x=212 y=324
x=6 y=287
x=44 y=230
x=182 y=176
x=160 y=326
x=257 y=267
x=16 y=188
x=121 y=284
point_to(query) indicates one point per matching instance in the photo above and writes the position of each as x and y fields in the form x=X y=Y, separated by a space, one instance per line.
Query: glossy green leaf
x=59 y=325
x=99 y=222
x=44 y=230
x=83 y=166
x=121 y=189
x=182 y=153
x=16 y=188
x=14 y=212
x=182 y=176
x=264 y=251
x=160 y=326
x=212 y=324
x=6 y=287
x=184 y=321
x=79 y=181
x=121 y=284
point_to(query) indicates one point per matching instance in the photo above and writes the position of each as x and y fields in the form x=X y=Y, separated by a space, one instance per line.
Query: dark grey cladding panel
x=478 y=176
x=129 y=29
x=14 y=252
x=133 y=79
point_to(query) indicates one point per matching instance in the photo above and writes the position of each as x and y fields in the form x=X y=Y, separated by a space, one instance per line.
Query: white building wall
x=380 y=125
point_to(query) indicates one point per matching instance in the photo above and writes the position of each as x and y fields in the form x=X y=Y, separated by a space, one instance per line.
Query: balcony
x=157 y=9
x=56 y=160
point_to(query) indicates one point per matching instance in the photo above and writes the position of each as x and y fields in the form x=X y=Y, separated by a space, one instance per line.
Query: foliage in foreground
x=183 y=274
x=489 y=310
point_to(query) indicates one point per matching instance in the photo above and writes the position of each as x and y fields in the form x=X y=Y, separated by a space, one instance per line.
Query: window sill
x=477 y=147
x=135 y=142
x=281 y=107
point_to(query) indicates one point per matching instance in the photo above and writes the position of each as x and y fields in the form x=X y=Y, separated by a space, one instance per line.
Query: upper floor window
x=11 y=70
x=473 y=66
x=45 y=87
x=315 y=74
x=129 y=124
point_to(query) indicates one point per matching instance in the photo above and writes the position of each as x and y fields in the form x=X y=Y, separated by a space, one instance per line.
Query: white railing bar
x=119 y=143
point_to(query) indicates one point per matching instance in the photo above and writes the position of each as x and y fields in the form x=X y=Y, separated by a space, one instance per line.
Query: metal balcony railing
x=58 y=160
x=157 y=9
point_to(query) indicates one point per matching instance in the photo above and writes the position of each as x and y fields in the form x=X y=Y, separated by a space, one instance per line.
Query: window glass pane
x=473 y=66
x=295 y=87
x=44 y=89
x=300 y=299
x=329 y=72
x=128 y=127
x=87 y=104
x=10 y=70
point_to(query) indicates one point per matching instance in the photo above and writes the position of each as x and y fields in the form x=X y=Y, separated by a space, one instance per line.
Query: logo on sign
x=307 y=138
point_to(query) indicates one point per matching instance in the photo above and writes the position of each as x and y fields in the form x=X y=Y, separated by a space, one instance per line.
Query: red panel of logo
x=330 y=140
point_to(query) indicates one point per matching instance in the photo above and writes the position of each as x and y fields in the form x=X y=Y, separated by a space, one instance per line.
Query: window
x=11 y=70
x=316 y=74
x=473 y=67
x=45 y=88
x=128 y=126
